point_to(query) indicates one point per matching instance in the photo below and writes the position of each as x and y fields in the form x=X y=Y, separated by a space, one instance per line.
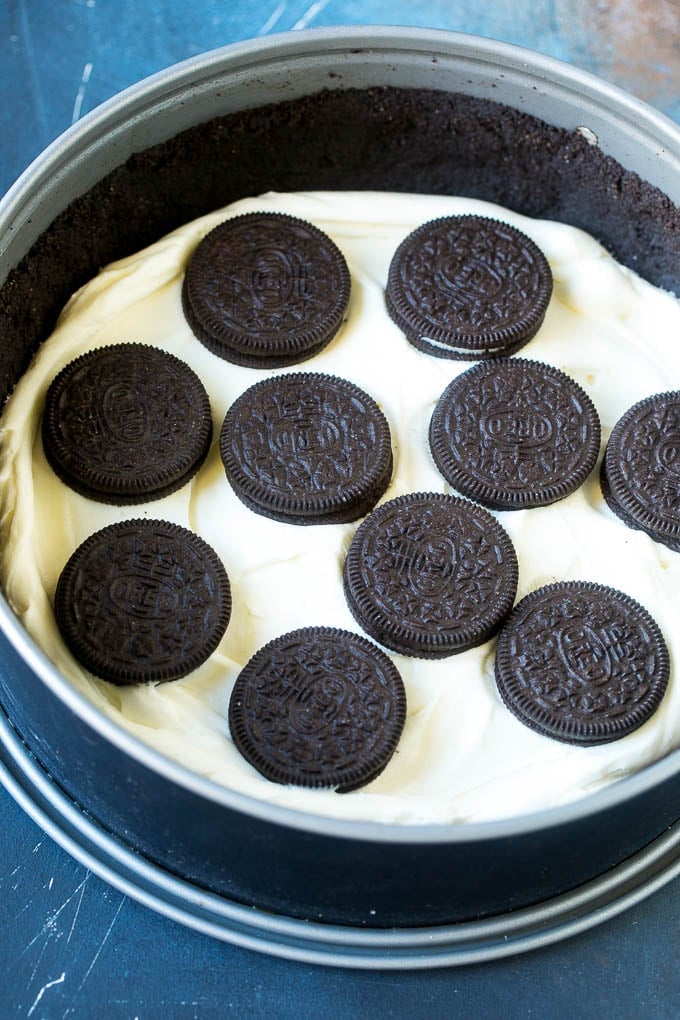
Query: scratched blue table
x=69 y=944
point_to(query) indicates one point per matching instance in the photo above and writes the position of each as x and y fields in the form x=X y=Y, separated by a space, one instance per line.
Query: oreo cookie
x=266 y=290
x=468 y=287
x=126 y=424
x=142 y=601
x=318 y=707
x=515 y=433
x=430 y=575
x=640 y=473
x=581 y=663
x=307 y=448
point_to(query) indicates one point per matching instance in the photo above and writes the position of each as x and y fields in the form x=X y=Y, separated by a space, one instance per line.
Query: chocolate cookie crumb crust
x=359 y=139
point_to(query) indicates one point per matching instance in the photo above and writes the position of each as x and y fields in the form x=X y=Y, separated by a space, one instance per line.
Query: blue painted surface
x=69 y=944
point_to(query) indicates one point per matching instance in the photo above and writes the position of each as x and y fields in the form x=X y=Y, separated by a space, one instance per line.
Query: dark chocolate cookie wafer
x=582 y=663
x=514 y=433
x=266 y=290
x=318 y=707
x=126 y=424
x=640 y=472
x=430 y=575
x=143 y=600
x=307 y=448
x=468 y=287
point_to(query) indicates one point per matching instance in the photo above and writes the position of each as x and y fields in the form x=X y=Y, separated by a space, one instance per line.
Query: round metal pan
x=210 y=844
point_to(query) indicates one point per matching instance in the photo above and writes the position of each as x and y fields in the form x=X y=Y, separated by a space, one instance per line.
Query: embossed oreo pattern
x=582 y=663
x=468 y=287
x=126 y=424
x=266 y=290
x=515 y=433
x=143 y=600
x=318 y=707
x=430 y=575
x=307 y=448
x=641 y=468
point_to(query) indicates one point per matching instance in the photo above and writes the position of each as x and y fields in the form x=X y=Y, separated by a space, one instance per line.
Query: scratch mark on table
x=12 y=873
x=308 y=17
x=77 y=911
x=50 y=927
x=272 y=19
x=101 y=946
x=80 y=95
x=50 y=984
x=38 y=961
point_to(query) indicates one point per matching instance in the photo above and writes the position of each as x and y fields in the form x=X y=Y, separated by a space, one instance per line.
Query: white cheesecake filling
x=463 y=756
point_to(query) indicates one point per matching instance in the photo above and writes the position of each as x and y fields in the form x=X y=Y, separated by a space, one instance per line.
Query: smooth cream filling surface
x=463 y=756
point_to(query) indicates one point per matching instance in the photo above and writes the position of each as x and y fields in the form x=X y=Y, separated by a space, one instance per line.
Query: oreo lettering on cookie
x=141 y=601
x=515 y=433
x=266 y=290
x=429 y=575
x=640 y=472
x=307 y=448
x=126 y=424
x=318 y=707
x=468 y=287
x=581 y=663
